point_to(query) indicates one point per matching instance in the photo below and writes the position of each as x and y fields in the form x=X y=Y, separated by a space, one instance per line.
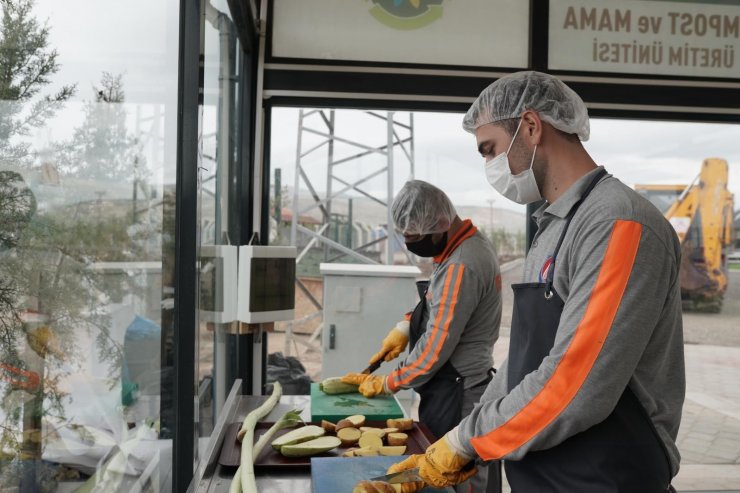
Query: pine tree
x=26 y=67
x=102 y=149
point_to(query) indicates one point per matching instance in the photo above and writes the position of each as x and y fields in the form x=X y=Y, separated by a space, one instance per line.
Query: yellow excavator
x=702 y=215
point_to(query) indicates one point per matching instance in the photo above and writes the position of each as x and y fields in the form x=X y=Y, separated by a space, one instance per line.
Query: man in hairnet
x=590 y=396
x=455 y=325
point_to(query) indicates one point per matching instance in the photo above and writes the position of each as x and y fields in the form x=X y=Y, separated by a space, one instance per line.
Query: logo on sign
x=406 y=14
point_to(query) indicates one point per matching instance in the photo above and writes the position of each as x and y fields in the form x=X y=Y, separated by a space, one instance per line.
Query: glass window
x=335 y=210
x=222 y=57
x=88 y=116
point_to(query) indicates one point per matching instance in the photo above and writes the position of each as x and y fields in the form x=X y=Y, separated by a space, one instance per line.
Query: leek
x=289 y=419
x=244 y=479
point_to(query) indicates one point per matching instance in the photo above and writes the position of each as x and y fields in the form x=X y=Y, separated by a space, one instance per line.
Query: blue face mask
x=425 y=247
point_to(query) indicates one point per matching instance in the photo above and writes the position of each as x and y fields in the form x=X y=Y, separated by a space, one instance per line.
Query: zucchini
x=335 y=385
x=311 y=447
x=297 y=436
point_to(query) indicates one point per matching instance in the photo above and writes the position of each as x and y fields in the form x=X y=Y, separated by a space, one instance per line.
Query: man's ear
x=532 y=127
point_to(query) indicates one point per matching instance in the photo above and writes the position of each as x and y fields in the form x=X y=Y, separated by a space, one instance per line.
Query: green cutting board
x=335 y=407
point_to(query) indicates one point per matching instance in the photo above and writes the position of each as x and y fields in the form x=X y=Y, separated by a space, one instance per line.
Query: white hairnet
x=511 y=95
x=420 y=208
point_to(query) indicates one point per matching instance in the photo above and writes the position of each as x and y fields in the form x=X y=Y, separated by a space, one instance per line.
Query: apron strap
x=551 y=272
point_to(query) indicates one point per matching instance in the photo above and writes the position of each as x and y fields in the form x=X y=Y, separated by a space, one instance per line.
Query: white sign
x=680 y=224
x=487 y=33
x=699 y=38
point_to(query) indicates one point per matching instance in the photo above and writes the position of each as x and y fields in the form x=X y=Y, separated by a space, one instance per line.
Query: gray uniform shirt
x=617 y=272
x=463 y=316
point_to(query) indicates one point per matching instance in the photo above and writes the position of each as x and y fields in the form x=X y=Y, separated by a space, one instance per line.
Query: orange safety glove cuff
x=442 y=467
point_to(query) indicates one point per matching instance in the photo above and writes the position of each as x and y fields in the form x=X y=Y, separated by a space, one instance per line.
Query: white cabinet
x=361 y=304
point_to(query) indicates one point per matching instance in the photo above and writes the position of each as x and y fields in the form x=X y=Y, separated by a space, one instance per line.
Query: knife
x=374 y=366
x=407 y=476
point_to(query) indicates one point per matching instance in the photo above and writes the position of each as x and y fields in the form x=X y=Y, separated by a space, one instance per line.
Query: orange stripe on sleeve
x=396 y=375
x=443 y=335
x=575 y=365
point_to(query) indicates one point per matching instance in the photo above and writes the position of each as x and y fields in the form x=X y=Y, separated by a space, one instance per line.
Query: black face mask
x=425 y=247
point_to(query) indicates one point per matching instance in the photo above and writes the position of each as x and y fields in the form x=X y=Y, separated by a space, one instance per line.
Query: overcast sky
x=634 y=151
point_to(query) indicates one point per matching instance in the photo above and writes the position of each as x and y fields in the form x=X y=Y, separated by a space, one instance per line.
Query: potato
x=372 y=440
x=328 y=426
x=392 y=450
x=402 y=424
x=349 y=452
x=396 y=438
x=354 y=421
x=366 y=452
x=344 y=423
x=357 y=419
x=391 y=430
x=349 y=436
x=378 y=431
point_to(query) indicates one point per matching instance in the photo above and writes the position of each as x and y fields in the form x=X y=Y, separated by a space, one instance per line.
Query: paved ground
x=709 y=438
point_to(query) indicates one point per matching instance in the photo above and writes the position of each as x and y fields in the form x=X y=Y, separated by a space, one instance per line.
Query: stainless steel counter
x=211 y=477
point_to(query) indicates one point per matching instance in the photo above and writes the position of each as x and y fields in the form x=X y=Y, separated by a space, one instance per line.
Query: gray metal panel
x=361 y=310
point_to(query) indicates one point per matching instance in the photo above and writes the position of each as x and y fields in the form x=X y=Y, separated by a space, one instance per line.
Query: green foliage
x=46 y=254
x=102 y=149
x=17 y=205
x=26 y=66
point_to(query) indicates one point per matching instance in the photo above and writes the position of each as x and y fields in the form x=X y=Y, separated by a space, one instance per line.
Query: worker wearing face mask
x=455 y=325
x=591 y=394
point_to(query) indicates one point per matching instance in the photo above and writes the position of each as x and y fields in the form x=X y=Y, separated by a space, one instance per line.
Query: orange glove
x=402 y=466
x=370 y=385
x=393 y=344
x=439 y=466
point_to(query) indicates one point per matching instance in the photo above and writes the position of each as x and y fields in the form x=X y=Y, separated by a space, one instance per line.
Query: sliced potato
x=328 y=426
x=391 y=430
x=349 y=436
x=402 y=424
x=378 y=431
x=366 y=452
x=357 y=419
x=349 y=452
x=371 y=440
x=392 y=450
x=354 y=421
x=344 y=423
x=395 y=439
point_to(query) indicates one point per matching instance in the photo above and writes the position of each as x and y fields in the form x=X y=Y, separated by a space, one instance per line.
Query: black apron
x=441 y=403
x=623 y=453
x=440 y=406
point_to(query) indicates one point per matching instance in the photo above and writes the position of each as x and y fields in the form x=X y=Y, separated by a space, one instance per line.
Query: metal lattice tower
x=399 y=135
x=324 y=126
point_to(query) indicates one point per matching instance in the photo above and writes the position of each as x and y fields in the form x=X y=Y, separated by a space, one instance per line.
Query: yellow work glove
x=393 y=344
x=439 y=466
x=370 y=385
